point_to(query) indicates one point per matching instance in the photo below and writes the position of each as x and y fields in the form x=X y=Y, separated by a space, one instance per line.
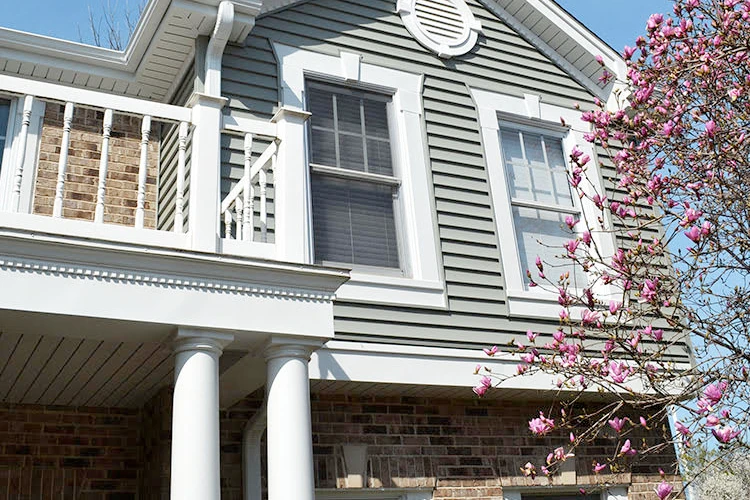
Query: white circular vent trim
x=446 y=27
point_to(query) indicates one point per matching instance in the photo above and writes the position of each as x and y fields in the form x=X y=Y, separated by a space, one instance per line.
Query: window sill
x=393 y=290
x=535 y=303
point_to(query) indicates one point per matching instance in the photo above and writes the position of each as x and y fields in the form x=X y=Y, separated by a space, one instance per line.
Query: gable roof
x=161 y=50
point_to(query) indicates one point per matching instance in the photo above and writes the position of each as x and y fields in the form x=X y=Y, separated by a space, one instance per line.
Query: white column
x=205 y=172
x=291 y=187
x=195 y=470
x=289 y=431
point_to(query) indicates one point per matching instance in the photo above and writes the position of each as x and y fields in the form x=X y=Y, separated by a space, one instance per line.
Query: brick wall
x=464 y=449
x=82 y=176
x=48 y=452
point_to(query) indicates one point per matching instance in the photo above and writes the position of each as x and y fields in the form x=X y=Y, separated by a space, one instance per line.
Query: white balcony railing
x=134 y=189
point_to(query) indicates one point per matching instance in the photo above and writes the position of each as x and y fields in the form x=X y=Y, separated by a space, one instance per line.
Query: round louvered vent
x=446 y=27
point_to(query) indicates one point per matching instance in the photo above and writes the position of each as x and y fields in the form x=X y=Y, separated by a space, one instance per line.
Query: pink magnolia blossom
x=725 y=434
x=712 y=420
x=491 y=351
x=617 y=424
x=531 y=335
x=714 y=392
x=663 y=490
x=681 y=428
x=627 y=450
x=529 y=470
x=599 y=467
x=542 y=425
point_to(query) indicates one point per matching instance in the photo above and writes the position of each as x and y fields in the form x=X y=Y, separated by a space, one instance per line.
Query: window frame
x=530 y=113
x=11 y=152
x=422 y=283
x=611 y=493
x=393 y=181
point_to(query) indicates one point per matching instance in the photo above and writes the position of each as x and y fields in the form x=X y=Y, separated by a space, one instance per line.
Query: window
x=540 y=198
x=366 y=176
x=564 y=493
x=4 y=118
x=352 y=177
x=526 y=151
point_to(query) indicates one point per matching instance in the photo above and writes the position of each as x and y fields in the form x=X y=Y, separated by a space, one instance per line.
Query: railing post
x=248 y=194
x=62 y=165
x=179 y=222
x=205 y=172
x=103 y=163
x=291 y=193
x=28 y=104
x=140 y=210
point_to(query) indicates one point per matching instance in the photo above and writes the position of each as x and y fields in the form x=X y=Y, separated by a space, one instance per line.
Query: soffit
x=153 y=64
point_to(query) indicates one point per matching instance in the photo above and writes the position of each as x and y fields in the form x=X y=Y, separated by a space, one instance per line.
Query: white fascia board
x=431 y=366
x=53 y=275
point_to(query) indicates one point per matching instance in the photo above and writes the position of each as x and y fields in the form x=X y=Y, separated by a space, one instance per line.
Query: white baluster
x=238 y=217
x=179 y=218
x=140 y=211
x=263 y=211
x=103 y=164
x=28 y=103
x=62 y=164
x=247 y=221
x=228 y=225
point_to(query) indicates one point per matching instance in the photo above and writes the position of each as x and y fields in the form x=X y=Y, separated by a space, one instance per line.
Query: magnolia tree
x=676 y=158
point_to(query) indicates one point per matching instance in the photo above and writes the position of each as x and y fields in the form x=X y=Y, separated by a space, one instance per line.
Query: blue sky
x=618 y=22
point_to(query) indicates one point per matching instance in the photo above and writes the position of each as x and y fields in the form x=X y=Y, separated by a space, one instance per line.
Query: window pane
x=376 y=119
x=323 y=147
x=353 y=222
x=351 y=152
x=562 y=496
x=348 y=114
x=540 y=175
x=542 y=233
x=379 y=157
x=4 y=110
x=321 y=107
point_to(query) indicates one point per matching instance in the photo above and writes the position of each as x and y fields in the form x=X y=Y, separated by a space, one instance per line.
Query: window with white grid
x=540 y=198
x=352 y=177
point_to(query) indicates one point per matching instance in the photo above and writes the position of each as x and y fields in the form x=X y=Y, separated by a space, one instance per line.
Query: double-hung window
x=352 y=177
x=540 y=197
x=527 y=152
x=367 y=202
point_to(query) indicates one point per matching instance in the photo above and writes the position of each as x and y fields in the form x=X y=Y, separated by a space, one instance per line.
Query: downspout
x=215 y=48
x=251 y=456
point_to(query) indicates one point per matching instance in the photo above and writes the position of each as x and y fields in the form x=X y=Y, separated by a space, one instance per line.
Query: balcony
x=118 y=169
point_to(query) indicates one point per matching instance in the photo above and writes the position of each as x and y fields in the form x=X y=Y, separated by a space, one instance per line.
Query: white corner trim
x=424 y=285
x=534 y=302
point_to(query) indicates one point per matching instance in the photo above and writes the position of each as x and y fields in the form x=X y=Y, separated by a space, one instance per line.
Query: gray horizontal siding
x=502 y=62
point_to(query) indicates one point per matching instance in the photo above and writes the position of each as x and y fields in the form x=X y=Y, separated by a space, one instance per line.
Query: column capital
x=206 y=100
x=292 y=347
x=290 y=114
x=187 y=339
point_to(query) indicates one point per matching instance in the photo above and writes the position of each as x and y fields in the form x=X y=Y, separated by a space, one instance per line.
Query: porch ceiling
x=67 y=371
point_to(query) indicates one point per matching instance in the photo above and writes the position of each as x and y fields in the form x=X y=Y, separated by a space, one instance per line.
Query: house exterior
x=257 y=253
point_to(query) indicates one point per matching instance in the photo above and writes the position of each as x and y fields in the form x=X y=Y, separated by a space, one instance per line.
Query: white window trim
x=11 y=153
x=532 y=302
x=612 y=493
x=424 y=286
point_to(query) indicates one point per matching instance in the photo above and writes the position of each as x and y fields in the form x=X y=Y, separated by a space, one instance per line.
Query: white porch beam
x=195 y=473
